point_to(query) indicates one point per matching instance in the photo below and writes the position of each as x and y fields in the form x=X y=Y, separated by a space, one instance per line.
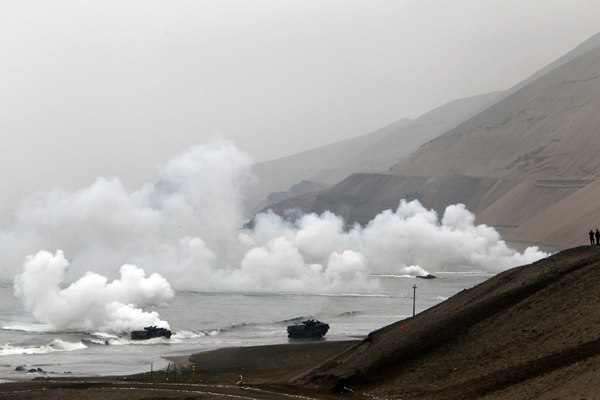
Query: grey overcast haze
x=117 y=88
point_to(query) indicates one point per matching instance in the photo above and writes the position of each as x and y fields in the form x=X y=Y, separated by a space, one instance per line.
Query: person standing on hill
x=592 y=237
x=597 y=236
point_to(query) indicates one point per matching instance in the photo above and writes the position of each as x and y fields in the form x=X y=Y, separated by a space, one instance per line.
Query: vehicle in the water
x=428 y=276
x=310 y=329
x=150 y=332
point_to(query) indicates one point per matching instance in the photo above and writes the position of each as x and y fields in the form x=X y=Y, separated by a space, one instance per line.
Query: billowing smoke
x=413 y=270
x=410 y=240
x=414 y=235
x=91 y=303
x=186 y=228
x=106 y=225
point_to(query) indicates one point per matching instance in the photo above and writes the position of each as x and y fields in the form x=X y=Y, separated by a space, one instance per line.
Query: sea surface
x=202 y=321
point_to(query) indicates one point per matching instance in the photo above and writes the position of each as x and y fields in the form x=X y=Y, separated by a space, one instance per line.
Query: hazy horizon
x=119 y=88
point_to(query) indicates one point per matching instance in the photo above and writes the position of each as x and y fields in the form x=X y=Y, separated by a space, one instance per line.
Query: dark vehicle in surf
x=150 y=332
x=428 y=276
x=310 y=329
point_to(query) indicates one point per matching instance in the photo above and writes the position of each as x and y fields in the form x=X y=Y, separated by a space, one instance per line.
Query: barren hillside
x=376 y=151
x=546 y=130
x=530 y=332
x=528 y=165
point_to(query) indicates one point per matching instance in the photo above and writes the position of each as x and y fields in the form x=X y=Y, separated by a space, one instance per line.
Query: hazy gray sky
x=115 y=88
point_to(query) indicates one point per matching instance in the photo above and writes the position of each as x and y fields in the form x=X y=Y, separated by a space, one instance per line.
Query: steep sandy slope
x=383 y=154
x=528 y=164
x=566 y=222
x=362 y=196
x=280 y=174
x=546 y=130
x=530 y=332
x=551 y=214
x=578 y=51
x=376 y=151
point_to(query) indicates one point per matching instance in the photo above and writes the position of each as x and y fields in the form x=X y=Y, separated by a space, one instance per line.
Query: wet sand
x=249 y=372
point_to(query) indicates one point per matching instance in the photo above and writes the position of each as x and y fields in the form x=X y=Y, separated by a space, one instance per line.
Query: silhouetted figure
x=592 y=237
x=597 y=236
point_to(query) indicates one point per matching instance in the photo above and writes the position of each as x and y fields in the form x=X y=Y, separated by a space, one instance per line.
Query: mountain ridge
x=374 y=152
x=531 y=134
x=528 y=164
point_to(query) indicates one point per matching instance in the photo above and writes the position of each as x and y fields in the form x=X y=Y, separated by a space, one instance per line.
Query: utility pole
x=414 y=298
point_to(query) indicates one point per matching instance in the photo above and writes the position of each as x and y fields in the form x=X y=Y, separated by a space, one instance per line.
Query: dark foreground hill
x=530 y=332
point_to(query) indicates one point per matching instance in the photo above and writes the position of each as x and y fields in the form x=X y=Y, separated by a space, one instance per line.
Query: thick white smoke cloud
x=91 y=303
x=413 y=235
x=187 y=229
x=106 y=225
x=410 y=240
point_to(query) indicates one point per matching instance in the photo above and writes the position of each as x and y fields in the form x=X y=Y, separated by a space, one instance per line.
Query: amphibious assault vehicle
x=150 y=332
x=310 y=329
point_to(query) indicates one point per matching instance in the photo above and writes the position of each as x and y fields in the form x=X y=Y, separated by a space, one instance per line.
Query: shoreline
x=224 y=372
x=257 y=364
x=217 y=364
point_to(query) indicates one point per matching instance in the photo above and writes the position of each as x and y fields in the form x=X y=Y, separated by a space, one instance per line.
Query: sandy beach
x=249 y=372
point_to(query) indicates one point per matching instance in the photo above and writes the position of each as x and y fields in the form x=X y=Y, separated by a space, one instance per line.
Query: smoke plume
x=186 y=228
x=91 y=303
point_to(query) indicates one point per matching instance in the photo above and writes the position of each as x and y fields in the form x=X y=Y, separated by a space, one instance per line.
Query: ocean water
x=202 y=321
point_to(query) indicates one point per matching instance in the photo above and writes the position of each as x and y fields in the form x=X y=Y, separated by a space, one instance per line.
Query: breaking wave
x=55 y=345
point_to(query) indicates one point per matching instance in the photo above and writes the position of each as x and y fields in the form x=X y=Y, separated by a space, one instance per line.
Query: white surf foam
x=55 y=345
